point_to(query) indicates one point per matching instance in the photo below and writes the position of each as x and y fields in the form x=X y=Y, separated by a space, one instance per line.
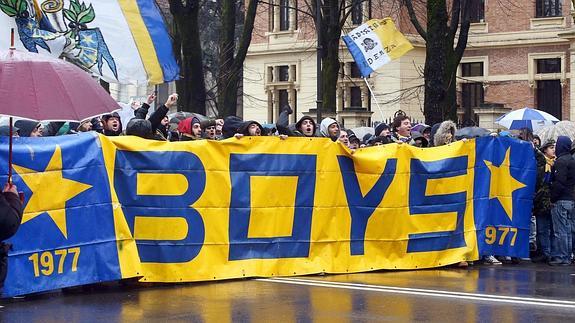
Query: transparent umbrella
x=360 y=132
x=561 y=128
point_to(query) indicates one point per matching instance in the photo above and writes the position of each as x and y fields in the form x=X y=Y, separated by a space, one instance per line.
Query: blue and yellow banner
x=100 y=209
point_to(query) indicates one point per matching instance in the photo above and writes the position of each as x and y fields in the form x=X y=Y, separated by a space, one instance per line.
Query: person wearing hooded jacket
x=562 y=189
x=190 y=129
x=545 y=157
x=445 y=133
x=29 y=128
x=112 y=124
x=305 y=127
x=160 y=132
x=329 y=128
x=251 y=128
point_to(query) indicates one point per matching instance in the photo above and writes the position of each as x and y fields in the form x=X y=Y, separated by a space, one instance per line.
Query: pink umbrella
x=39 y=87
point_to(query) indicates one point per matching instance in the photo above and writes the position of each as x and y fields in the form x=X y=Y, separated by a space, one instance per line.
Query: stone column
x=292 y=15
x=270 y=105
x=276 y=15
x=339 y=106
x=365 y=97
x=292 y=73
x=291 y=101
x=571 y=37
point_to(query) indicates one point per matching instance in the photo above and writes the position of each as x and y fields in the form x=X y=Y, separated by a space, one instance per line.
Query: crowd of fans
x=552 y=234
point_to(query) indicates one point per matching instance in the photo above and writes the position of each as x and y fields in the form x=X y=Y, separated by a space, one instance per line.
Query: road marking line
x=425 y=292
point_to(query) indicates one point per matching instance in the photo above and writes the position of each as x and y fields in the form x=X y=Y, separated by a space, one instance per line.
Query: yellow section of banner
x=254 y=195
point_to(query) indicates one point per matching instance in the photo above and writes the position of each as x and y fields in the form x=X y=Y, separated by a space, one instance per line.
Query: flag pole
x=374 y=98
x=11 y=133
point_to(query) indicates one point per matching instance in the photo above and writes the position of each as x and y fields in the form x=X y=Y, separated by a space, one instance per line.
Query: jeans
x=533 y=231
x=561 y=241
x=544 y=232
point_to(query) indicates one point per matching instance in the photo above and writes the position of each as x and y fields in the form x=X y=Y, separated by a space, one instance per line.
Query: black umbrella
x=471 y=132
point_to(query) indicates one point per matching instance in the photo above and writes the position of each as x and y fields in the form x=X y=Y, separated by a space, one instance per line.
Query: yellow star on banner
x=502 y=184
x=50 y=191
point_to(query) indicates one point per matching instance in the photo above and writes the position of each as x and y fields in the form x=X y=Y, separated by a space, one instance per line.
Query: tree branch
x=414 y=20
x=176 y=7
x=463 y=31
x=455 y=14
x=246 y=38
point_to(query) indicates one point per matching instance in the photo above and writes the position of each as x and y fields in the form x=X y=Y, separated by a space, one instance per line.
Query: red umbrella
x=39 y=87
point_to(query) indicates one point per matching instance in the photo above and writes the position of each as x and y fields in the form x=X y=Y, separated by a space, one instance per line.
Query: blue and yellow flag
x=123 y=41
x=100 y=209
x=376 y=43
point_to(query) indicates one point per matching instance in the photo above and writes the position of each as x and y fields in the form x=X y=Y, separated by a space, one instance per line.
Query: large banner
x=100 y=209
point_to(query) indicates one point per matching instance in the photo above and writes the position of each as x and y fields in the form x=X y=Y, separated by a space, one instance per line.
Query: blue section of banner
x=161 y=39
x=72 y=246
x=131 y=163
x=420 y=203
x=245 y=166
x=503 y=222
x=358 y=57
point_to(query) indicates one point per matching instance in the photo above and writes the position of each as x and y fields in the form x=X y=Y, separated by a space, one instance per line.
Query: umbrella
x=39 y=87
x=360 y=132
x=420 y=127
x=471 y=132
x=526 y=118
x=561 y=128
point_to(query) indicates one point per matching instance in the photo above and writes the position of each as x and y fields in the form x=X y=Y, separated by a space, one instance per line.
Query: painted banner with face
x=100 y=208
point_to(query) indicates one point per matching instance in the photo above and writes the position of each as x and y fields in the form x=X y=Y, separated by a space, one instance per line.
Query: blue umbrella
x=526 y=118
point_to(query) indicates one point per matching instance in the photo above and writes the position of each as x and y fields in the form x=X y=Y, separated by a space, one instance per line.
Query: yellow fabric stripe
x=394 y=43
x=143 y=40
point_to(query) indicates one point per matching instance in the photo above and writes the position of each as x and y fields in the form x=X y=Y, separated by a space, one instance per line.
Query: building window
x=477 y=11
x=283 y=73
x=472 y=93
x=360 y=11
x=352 y=91
x=548 y=65
x=549 y=97
x=284 y=15
x=549 y=92
x=357 y=12
x=283 y=98
x=472 y=69
x=355 y=96
x=282 y=90
x=355 y=73
x=548 y=8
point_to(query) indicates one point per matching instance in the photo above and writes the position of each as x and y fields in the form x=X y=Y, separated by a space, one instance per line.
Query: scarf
x=548 y=164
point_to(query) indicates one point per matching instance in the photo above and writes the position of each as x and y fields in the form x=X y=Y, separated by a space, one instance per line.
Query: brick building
x=518 y=55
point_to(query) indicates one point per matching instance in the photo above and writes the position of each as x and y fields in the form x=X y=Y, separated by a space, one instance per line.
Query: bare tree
x=443 y=53
x=231 y=60
x=334 y=15
x=188 y=48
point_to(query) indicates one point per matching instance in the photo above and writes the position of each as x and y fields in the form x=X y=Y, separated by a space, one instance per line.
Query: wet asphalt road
x=508 y=293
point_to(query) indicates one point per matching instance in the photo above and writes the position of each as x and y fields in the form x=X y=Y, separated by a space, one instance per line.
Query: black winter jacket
x=563 y=174
x=10 y=214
